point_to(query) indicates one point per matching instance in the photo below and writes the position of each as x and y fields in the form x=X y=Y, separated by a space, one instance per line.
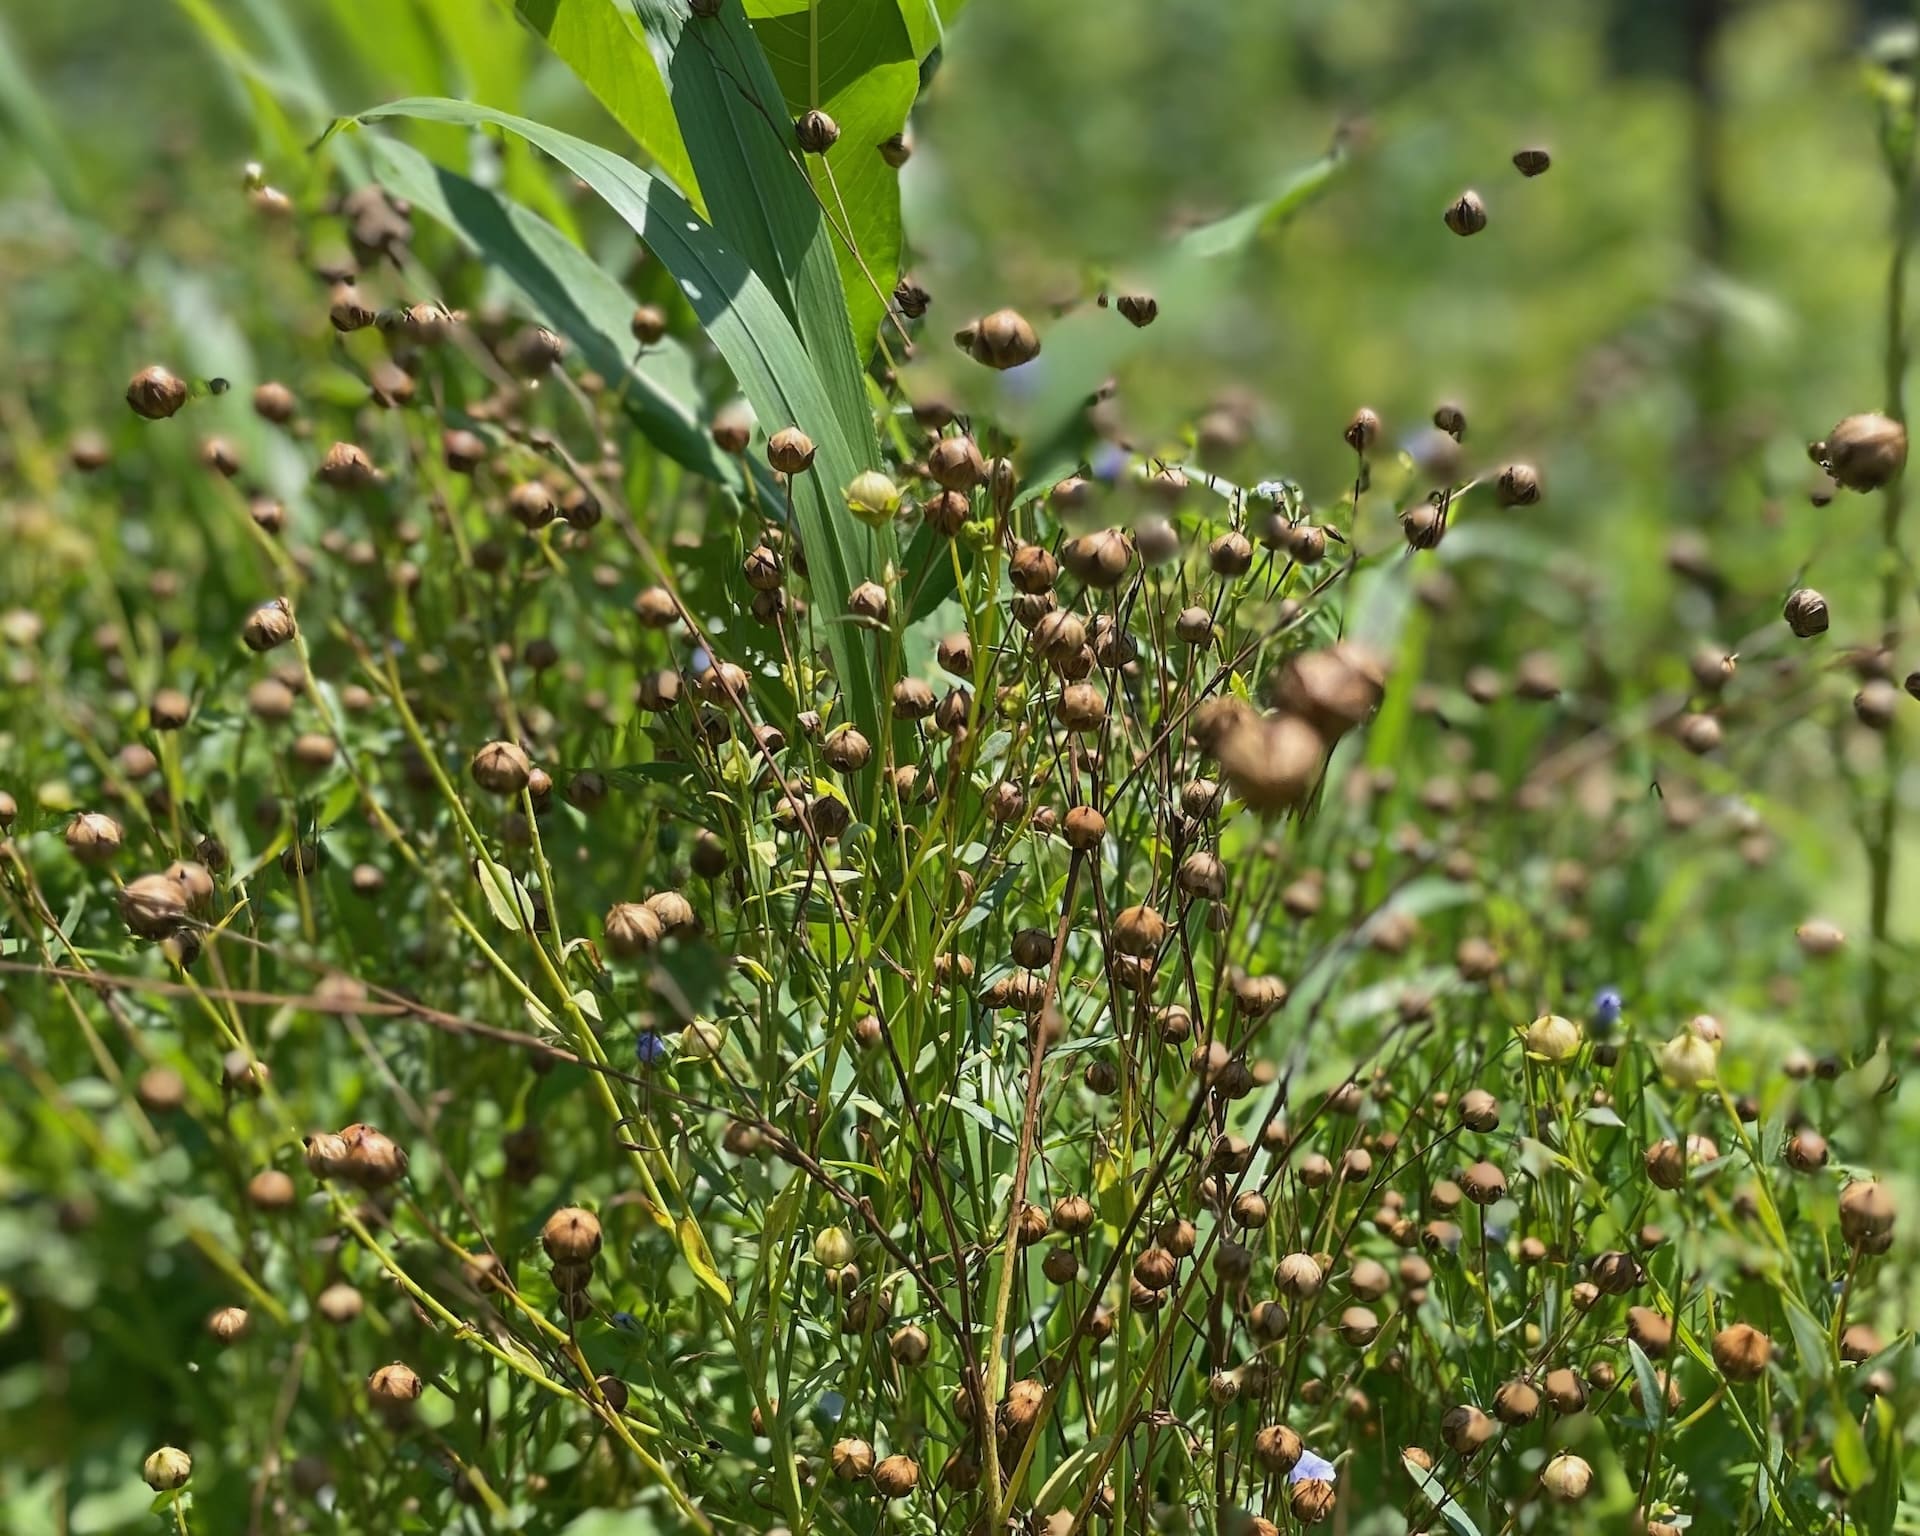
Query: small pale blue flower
x=626 y=1322
x=1109 y=462
x=1607 y=1008
x=1311 y=1468
x=649 y=1047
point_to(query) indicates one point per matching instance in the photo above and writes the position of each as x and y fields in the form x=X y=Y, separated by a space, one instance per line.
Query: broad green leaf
x=573 y=296
x=1091 y=343
x=512 y=907
x=855 y=59
x=601 y=42
x=927 y=22
x=733 y=116
x=693 y=1244
x=767 y=359
x=1437 y=1495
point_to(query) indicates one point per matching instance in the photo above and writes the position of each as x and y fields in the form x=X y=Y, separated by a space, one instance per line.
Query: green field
x=948 y=766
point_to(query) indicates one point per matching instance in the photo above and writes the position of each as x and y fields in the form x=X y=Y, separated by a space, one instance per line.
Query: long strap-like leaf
x=573 y=296
x=732 y=115
x=753 y=334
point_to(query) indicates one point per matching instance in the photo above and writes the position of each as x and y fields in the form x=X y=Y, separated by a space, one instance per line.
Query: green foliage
x=1039 y=942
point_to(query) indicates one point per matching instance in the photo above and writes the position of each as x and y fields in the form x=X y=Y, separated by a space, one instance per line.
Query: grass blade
x=856 y=60
x=572 y=295
x=754 y=336
x=733 y=116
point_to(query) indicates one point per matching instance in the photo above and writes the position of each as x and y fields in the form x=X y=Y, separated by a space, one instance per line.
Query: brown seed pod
x=1875 y=703
x=1311 y=1500
x=1154 y=1269
x=501 y=768
x=1277 y=1448
x=229 y=1324
x=815 y=132
x=1566 y=1478
x=268 y=626
x=1099 y=559
x=1615 y=1273
x=340 y=1304
x=1000 y=340
x=1867 y=1214
x=155 y=393
x=631 y=928
x=1139 y=930
x=1699 y=733
x=1467 y=1430
x=346 y=467
x=1742 y=1352
x=394 y=1388
x=1084 y=828
x=1333 y=689
x=1140 y=309
x=1532 y=161
x=649 y=326
x=1565 y=1391
x=1272 y=762
x=790 y=451
x=571 y=1236
x=846 y=750
x=1484 y=1184
x=372 y=1159
x=1651 y=1331
x=1362 y=430
x=896 y=1477
x=1806 y=1151
x=954 y=463
x=271 y=1190
x=1466 y=214
x=274 y=402
x=1518 y=485
x=152 y=906
x=1865 y=452
x=897 y=150
x=1020 y=1410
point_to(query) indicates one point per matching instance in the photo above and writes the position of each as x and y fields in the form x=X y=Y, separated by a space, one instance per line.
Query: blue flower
x=1607 y=1006
x=1109 y=462
x=1311 y=1468
x=649 y=1047
x=626 y=1321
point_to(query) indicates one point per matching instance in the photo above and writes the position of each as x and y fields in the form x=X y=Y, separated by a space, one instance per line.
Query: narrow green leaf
x=733 y=116
x=1809 y=1339
x=693 y=1244
x=1437 y=1495
x=601 y=42
x=508 y=900
x=1877 y=1510
x=573 y=296
x=1852 y=1470
x=855 y=59
x=1653 y=1398
x=767 y=359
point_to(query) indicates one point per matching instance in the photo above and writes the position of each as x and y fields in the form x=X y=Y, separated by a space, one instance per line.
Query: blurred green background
x=1662 y=321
